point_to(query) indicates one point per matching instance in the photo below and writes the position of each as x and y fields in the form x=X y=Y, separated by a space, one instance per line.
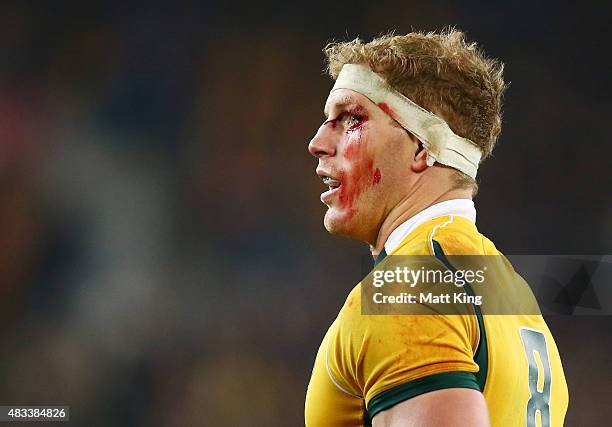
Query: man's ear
x=419 y=162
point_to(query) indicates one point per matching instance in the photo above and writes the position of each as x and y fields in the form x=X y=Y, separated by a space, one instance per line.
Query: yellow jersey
x=369 y=363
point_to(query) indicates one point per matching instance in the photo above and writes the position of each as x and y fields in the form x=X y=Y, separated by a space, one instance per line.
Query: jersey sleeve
x=387 y=359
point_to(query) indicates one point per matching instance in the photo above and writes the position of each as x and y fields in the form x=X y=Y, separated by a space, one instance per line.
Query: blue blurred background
x=162 y=255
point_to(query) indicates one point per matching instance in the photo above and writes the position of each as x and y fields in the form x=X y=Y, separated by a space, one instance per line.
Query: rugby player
x=408 y=121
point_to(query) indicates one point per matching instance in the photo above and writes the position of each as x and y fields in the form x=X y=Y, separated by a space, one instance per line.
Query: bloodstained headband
x=441 y=143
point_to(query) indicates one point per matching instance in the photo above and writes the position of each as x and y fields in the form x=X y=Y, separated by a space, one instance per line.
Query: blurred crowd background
x=162 y=255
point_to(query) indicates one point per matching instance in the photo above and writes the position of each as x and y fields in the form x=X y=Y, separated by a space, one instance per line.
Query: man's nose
x=323 y=143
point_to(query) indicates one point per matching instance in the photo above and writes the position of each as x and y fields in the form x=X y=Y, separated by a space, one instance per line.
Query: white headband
x=441 y=144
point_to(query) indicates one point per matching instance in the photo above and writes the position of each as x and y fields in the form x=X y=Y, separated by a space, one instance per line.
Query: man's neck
x=409 y=207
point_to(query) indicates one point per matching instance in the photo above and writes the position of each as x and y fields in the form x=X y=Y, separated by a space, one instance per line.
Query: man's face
x=364 y=159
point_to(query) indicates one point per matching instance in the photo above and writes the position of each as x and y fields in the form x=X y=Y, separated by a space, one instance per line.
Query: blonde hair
x=442 y=73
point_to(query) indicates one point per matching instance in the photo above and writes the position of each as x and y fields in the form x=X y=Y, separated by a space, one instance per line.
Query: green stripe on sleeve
x=403 y=392
x=481 y=357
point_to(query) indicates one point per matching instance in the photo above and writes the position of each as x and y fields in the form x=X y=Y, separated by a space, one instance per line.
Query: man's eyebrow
x=347 y=100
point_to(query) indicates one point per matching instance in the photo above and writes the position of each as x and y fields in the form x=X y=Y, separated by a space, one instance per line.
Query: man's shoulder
x=455 y=234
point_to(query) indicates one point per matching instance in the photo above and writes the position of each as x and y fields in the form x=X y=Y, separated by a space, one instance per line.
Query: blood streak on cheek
x=377 y=177
x=360 y=175
x=383 y=106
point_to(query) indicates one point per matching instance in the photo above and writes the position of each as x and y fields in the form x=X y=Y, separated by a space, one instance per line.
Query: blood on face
x=361 y=173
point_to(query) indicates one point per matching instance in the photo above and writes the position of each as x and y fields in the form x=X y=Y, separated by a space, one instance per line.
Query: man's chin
x=337 y=223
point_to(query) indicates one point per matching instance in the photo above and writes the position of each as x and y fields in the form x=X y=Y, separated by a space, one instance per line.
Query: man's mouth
x=331 y=183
